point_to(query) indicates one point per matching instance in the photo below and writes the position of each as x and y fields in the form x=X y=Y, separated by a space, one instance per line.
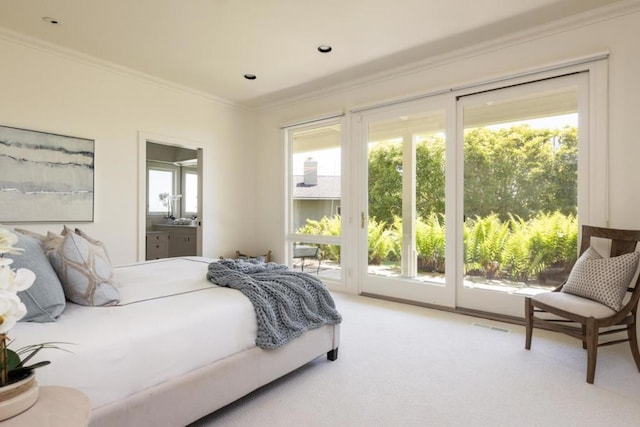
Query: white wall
x=617 y=33
x=51 y=92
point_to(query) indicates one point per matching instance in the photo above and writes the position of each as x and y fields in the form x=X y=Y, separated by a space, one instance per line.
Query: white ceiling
x=208 y=45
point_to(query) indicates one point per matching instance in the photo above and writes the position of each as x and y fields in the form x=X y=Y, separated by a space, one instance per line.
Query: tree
x=385 y=182
x=520 y=171
x=430 y=176
x=511 y=171
x=385 y=179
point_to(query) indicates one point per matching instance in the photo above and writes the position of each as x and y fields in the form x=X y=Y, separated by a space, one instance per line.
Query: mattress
x=170 y=321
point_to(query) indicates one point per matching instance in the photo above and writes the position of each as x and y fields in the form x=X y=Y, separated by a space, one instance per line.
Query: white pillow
x=604 y=280
x=84 y=270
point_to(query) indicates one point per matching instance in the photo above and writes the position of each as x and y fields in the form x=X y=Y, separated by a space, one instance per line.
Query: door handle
x=362 y=220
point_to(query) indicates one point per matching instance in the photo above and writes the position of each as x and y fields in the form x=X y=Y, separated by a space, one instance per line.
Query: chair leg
x=584 y=334
x=528 y=317
x=633 y=342
x=592 y=348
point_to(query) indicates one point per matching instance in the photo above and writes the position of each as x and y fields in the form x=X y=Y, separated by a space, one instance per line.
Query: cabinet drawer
x=160 y=236
x=157 y=245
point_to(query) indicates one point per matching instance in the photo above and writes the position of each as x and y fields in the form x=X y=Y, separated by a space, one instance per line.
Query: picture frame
x=45 y=177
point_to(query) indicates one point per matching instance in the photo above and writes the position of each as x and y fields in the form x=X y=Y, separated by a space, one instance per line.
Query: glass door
x=403 y=231
x=519 y=154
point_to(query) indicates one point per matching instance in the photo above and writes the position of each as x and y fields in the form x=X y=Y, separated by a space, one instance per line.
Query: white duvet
x=170 y=320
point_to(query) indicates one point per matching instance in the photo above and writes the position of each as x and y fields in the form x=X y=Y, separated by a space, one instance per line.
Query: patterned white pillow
x=84 y=270
x=604 y=280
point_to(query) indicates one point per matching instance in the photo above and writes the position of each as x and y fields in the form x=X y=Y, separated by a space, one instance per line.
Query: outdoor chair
x=600 y=293
x=304 y=252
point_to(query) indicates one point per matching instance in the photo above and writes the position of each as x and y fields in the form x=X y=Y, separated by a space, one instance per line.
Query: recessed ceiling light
x=324 y=48
x=250 y=76
x=50 y=20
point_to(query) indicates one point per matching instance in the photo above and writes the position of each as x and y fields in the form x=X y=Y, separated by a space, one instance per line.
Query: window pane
x=520 y=190
x=316 y=181
x=315 y=200
x=191 y=192
x=160 y=181
x=406 y=170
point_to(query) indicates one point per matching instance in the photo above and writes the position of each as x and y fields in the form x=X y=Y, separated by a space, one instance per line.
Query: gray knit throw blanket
x=287 y=303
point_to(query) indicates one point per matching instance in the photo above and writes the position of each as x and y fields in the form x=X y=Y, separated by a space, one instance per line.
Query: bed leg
x=332 y=354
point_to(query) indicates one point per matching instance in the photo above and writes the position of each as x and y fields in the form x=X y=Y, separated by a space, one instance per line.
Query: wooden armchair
x=583 y=305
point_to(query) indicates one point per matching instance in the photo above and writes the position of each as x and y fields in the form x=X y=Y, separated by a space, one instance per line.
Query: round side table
x=55 y=407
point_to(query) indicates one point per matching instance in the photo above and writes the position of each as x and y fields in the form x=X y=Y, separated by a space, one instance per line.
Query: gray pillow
x=45 y=299
x=604 y=280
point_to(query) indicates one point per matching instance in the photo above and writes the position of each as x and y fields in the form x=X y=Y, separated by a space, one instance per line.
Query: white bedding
x=121 y=350
x=161 y=278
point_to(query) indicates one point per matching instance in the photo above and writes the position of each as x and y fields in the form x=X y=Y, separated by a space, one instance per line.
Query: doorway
x=513 y=168
x=170 y=197
x=403 y=222
x=520 y=180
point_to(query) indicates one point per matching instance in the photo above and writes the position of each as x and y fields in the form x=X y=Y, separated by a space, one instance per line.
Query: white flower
x=15 y=281
x=165 y=198
x=11 y=310
x=7 y=240
x=11 y=282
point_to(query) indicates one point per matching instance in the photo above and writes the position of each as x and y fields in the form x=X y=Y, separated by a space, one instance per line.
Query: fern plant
x=430 y=243
x=515 y=249
x=484 y=243
x=381 y=241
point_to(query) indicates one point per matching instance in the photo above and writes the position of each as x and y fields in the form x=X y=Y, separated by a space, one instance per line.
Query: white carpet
x=402 y=365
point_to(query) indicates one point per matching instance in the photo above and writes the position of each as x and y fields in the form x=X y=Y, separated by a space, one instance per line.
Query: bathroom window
x=162 y=179
x=190 y=191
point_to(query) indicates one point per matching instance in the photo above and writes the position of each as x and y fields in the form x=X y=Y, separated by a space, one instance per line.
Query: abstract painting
x=45 y=177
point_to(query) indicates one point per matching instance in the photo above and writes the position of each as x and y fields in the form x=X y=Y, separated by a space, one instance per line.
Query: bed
x=174 y=349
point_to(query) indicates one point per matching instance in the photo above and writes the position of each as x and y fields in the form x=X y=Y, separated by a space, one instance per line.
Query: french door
x=404 y=208
x=474 y=200
x=518 y=152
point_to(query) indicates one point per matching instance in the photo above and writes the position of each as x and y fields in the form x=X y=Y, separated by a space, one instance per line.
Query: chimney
x=310 y=172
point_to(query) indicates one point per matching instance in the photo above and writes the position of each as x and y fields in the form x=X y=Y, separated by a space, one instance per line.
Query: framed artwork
x=45 y=177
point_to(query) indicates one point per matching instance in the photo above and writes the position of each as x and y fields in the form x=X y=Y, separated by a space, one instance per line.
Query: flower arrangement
x=165 y=198
x=12 y=366
x=167 y=201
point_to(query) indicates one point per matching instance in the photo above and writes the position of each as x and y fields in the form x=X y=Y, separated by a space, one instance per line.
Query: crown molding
x=92 y=61
x=559 y=26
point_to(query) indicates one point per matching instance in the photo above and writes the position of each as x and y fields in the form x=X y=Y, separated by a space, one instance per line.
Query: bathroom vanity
x=169 y=240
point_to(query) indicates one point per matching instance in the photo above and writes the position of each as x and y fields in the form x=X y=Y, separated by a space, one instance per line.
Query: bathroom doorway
x=170 y=197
